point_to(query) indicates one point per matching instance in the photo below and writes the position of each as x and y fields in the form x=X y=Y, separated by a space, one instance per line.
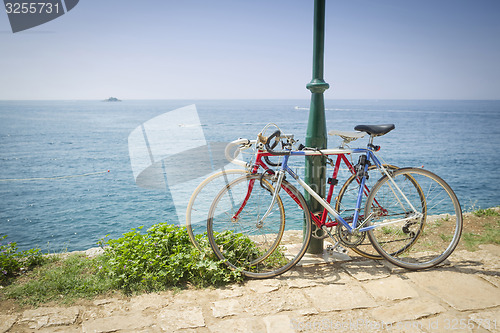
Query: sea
x=70 y=170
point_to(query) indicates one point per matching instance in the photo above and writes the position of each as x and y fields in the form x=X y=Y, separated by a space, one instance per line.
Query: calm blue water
x=44 y=139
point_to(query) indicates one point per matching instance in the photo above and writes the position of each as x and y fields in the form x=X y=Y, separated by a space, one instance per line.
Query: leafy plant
x=241 y=251
x=13 y=262
x=163 y=257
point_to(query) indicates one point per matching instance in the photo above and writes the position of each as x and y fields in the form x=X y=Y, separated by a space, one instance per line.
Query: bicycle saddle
x=375 y=130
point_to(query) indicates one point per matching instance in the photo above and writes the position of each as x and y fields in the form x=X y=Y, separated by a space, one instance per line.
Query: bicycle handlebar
x=268 y=160
x=243 y=144
x=269 y=148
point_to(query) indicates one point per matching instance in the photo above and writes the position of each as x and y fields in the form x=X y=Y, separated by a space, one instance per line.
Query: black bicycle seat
x=375 y=130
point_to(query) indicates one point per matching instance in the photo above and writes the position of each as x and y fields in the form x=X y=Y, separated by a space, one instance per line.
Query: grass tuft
x=490 y=235
x=61 y=280
x=486 y=212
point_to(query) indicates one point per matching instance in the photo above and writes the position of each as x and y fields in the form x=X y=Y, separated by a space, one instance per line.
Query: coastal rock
x=112 y=99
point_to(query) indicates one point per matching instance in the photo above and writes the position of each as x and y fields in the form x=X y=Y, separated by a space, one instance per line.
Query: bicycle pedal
x=337 y=248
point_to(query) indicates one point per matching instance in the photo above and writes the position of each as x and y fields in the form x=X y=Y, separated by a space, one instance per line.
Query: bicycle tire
x=196 y=206
x=435 y=232
x=259 y=251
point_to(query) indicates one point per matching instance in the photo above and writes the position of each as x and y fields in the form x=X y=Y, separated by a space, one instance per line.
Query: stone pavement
x=342 y=296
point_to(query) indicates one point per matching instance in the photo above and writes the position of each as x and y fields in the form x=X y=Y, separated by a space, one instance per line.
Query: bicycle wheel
x=259 y=250
x=346 y=202
x=414 y=231
x=199 y=203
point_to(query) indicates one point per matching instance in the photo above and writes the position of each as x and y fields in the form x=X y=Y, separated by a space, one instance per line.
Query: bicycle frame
x=341 y=153
x=326 y=205
x=341 y=157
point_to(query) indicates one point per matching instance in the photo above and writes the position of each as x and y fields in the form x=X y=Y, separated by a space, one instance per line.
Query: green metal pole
x=315 y=172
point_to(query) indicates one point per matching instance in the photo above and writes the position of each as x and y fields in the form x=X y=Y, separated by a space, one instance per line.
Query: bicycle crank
x=347 y=238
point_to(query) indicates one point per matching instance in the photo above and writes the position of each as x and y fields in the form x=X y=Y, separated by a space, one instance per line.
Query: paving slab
x=232 y=291
x=238 y=325
x=122 y=322
x=366 y=270
x=6 y=322
x=340 y=297
x=152 y=301
x=64 y=317
x=412 y=326
x=59 y=329
x=408 y=310
x=390 y=289
x=170 y=319
x=461 y=291
x=357 y=320
x=488 y=320
x=263 y=286
x=452 y=321
x=308 y=311
x=493 y=279
x=226 y=308
x=275 y=302
x=278 y=324
x=297 y=282
x=337 y=275
x=104 y=308
x=50 y=316
x=430 y=324
x=193 y=296
x=485 y=259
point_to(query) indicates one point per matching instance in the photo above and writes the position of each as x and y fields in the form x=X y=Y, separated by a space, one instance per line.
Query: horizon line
x=252 y=99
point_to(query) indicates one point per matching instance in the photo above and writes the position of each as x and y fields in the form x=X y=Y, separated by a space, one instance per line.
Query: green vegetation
x=62 y=280
x=486 y=212
x=164 y=257
x=392 y=231
x=241 y=251
x=160 y=259
x=442 y=220
x=446 y=238
x=13 y=262
x=490 y=235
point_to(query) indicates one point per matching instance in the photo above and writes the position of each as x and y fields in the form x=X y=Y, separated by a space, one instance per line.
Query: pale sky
x=258 y=49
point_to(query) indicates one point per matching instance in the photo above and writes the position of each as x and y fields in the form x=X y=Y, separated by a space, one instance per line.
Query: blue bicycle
x=261 y=224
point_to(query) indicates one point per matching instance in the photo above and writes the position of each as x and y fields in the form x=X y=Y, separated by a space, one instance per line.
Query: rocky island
x=112 y=99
